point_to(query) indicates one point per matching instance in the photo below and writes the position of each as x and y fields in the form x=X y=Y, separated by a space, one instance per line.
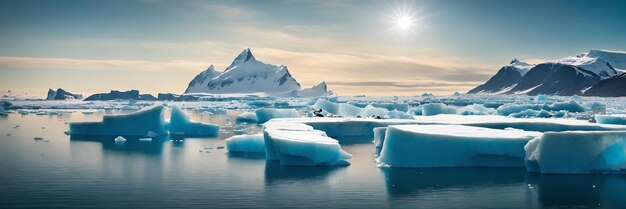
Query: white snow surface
x=245 y=75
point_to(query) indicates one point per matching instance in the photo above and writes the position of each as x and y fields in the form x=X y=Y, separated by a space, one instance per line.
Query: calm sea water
x=99 y=173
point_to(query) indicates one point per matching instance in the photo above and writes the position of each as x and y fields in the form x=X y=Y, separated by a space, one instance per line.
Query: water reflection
x=606 y=191
x=409 y=181
x=275 y=173
x=132 y=143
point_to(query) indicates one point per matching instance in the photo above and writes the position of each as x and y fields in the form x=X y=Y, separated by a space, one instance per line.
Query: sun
x=404 y=18
x=404 y=23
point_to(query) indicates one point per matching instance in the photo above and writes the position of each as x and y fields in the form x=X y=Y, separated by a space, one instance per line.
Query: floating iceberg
x=246 y=117
x=577 y=152
x=134 y=124
x=181 y=124
x=453 y=146
x=300 y=145
x=246 y=143
x=438 y=108
x=611 y=119
x=379 y=136
x=265 y=114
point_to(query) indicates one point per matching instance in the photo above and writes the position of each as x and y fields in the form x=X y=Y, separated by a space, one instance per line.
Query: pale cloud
x=349 y=67
x=96 y=64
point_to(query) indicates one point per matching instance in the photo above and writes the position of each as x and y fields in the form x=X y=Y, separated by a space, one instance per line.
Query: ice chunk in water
x=119 y=139
x=577 y=152
x=453 y=146
x=437 y=108
x=379 y=136
x=181 y=124
x=135 y=124
x=246 y=143
x=611 y=119
x=297 y=145
x=246 y=117
x=265 y=114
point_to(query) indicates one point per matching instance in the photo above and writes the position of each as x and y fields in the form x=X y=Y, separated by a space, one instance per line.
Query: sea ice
x=181 y=124
x=437 y=108
x=577 y=152
x=134 y=124
x=302 y=147
x=265 y=114
x=611 y=119
x=379 y=136
x=246 y=143
x=453 y=146
x=246 y=117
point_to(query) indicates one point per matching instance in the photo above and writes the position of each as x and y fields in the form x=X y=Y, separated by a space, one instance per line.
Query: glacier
x=453 y=146
x=576 y=152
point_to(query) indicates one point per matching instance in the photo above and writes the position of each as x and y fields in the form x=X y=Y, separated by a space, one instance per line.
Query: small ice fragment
x=120 y=139
x=16 y=126
x=46 y=140
x=145 y=139
x=66 y=132
x=220 y=147
x=38 y=138
x=151 y=134
x=208 y=147
x=43 y=127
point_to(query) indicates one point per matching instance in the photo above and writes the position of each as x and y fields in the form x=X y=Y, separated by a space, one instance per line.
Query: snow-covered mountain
x=612 y=87
x=246 y=75
x=61 y=94
x=568 y=76
x=505 y=79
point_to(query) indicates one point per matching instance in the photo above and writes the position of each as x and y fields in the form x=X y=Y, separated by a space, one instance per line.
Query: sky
x=356 y=46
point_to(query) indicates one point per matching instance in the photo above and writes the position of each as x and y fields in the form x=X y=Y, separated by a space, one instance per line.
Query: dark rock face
x=611 y=87
x=61 y=94
x=505 y=77
x=176 y=97
x=126 y=95
x=555 y=79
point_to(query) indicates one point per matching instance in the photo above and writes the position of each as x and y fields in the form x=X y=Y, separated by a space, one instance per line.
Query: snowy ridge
x=246 y=75
x=568 y=76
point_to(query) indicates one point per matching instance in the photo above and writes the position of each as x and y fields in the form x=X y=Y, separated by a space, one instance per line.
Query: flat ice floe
x=453 y=146
x=301 y=145
x=577 y=152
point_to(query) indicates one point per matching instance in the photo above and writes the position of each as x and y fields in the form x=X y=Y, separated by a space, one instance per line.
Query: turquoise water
x=99 y=173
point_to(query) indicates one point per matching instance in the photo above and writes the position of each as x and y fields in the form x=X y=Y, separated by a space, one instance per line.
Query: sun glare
x=404 y=18
x=404 y=23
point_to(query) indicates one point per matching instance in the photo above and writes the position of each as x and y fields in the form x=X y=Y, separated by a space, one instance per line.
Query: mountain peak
x=244 y=56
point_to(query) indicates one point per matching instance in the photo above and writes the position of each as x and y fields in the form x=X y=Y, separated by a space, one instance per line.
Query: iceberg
x=453 y=146
x=181 y=124
x=574 y=152
x=134 y=124
x=437 y=108
x=300 y=145
x=265 y=114
x=611 y=119
x=246 y=117
x=246 y=143
x=379 y=136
